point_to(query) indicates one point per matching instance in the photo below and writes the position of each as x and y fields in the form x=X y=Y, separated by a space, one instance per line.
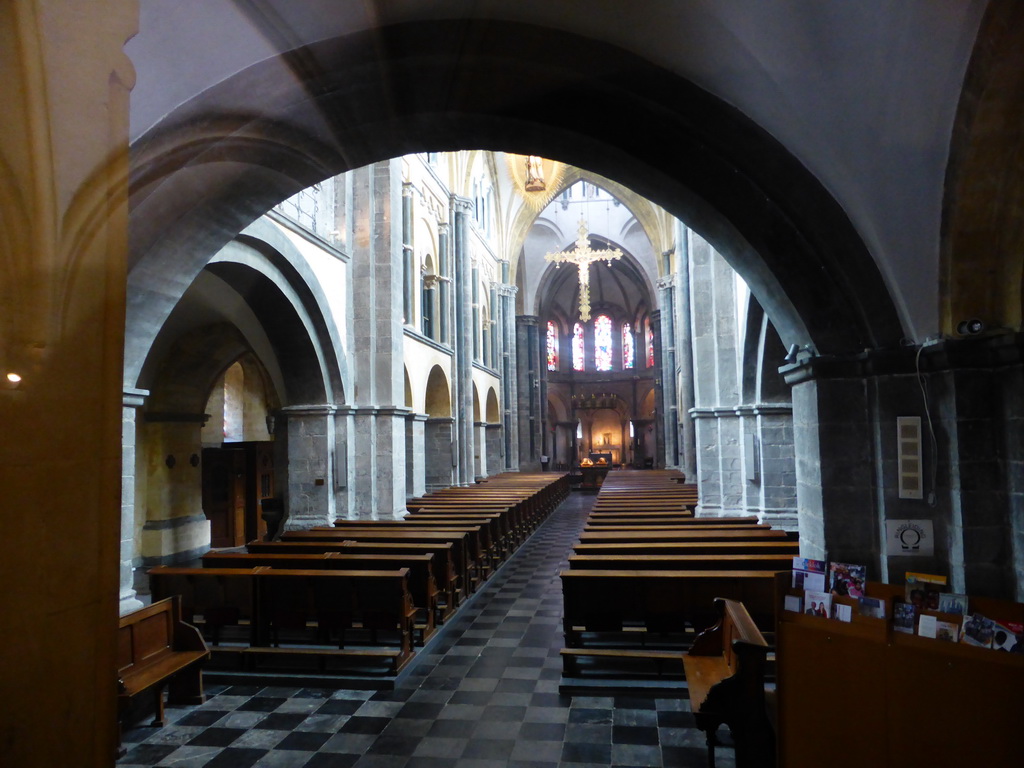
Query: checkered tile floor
x=484 y=696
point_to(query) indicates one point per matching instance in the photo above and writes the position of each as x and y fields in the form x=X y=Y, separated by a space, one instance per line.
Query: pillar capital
x=134 y=398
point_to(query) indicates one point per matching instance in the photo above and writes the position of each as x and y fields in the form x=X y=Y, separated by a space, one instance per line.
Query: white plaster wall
x=331 y=272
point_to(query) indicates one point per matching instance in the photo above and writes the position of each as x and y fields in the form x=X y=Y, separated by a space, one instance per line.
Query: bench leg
x=186 y=688
x=158 y=698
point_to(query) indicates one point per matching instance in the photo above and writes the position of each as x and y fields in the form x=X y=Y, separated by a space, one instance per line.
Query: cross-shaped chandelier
x=582 y=256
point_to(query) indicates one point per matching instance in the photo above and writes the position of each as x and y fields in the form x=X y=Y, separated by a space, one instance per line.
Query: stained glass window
x=649 y=342
x=603 y=343
x=552 y=347
x=577 y=347
x=628 y=354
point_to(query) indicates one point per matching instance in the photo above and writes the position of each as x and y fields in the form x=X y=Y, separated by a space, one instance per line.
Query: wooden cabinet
x=856 y=694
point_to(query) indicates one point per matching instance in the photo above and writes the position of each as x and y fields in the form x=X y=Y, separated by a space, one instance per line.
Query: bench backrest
x=147 y=634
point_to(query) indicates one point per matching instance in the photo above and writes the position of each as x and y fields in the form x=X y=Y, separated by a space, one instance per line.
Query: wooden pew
x=465 y=566
x=422 y=586
x=478 y=536
x=657 y=529
x=295 y=615
x=725 y=671
x=694 y=547
x=216 y=602
x=595 y=520
x=709 y=562
x=728 y=533
x=156 y=649
x=658 y=601
x=334 y=604
x=445 y=570
x=510 y=522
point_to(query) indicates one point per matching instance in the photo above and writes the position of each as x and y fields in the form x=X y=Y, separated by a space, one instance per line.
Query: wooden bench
x=302 y=615
x=725 y=670
x=446 y=569
x=721 y=533
x=217 y=601
x=642 y=520
x=465 y=566
x=156 y=649
x=710 y=562
x=695 y=547
x=422 y=586
x=615 y=601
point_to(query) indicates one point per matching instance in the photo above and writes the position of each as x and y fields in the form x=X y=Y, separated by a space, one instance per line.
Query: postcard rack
x=859 y=693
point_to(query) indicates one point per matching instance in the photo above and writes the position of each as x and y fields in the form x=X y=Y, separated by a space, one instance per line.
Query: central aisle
x=485 y=696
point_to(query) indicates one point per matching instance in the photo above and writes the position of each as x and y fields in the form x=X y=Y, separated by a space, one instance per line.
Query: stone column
x=439 y=450
x=309 y=495
x=684 y=355
x=415 y=454
x=493 y=442
x=344 y=462
x=528 y=385
x=176 y=529
x=377 y=319
x=133 y=400
x=659 y=392
x=462 y=361
x=667 y=336
x=444 y=291
x=509 y=372
x=778 y=465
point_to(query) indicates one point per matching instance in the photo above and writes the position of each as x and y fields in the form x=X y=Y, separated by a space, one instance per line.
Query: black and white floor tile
x=484 y=695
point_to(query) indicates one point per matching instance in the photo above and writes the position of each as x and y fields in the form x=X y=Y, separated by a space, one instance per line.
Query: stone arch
x=726 y=177
x=438 y=400
x=262 y=285
x=493 y=414
x=408 y=388
x=476 y=403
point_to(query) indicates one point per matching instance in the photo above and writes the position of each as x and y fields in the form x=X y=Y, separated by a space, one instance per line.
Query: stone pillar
x=133 y=399
x=659 y=392
x=509 y=373
x=684 y=355
x=378 y=323
x=344 y=462
x=528 y=385
x=176 y=530
x=391 y=470
x=480 y=445
x=444 y=291
x=309 y=494
x=778 y=465
x=415 y=455
x=439 y=451
x=462 y=361
x=408 y=270
x=667 y=336
x=493 y=441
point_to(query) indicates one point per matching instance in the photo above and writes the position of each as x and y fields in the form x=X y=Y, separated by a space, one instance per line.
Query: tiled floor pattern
x=485 y=696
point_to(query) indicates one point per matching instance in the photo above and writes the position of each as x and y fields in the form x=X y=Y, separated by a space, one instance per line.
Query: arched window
x=577 y=347
x=552 y=347
x=628 y=353
x=603 y=343
x=649 y=342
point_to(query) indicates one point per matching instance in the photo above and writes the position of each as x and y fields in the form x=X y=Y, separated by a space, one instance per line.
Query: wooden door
x=224 y=495
x=260 y=463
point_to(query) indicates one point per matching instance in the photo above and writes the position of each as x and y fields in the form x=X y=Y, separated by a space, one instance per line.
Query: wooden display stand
x=859 y=693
